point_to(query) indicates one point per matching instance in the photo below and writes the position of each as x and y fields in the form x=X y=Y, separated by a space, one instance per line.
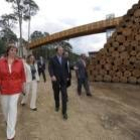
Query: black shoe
x=34 y=109
x=57 y=109
x=67 y=100
x=79 y=93
x=89 y=94
x=23 y=104
x=65 y=116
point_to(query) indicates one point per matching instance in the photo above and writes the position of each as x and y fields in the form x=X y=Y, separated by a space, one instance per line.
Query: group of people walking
x=21 y=76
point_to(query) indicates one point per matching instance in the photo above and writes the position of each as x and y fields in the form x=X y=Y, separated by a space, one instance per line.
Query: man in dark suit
x=59 y=75
x=82 y=76
x=41 y=67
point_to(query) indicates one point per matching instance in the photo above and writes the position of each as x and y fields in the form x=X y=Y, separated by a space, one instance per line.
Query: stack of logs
x=119 y=60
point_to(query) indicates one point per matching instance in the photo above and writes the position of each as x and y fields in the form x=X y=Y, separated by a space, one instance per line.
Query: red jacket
x=11 y=83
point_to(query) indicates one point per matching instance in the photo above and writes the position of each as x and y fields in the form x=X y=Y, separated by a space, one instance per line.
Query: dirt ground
x=113 y=113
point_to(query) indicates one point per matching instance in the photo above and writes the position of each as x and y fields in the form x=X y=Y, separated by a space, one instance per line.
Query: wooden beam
x=92 y=28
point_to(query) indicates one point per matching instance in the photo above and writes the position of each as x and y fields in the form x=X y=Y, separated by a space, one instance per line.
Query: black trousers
x=84 y=82
x=43 y=74
x=57 y=88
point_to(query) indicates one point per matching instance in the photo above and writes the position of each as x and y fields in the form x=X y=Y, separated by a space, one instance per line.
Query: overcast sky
x=57 y=15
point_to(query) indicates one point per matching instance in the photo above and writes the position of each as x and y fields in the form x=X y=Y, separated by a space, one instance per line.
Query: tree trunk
x=20 y=28
x=20 y=40
x=29 y=27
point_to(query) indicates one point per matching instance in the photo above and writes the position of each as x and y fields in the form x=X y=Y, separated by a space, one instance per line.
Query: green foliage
x=36 y=35
x=48 y=50
x=7 y=21
x=31 y=10
x=73 y=57
x=2 y=47
x=23 y=10
x=8 y=36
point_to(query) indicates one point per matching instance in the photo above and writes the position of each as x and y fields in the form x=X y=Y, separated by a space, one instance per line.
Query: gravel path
x=113 y=113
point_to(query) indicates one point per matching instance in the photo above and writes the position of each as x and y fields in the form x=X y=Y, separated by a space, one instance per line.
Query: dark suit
x=60 y=71
x=82 y=77
x=69 y=73
x=41 y=69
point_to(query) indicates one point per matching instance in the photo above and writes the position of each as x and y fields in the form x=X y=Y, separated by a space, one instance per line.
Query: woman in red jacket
x=12 y=77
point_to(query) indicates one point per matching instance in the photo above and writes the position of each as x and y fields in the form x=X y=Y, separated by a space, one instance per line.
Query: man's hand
x=23 y=93
x=75 y=68
x=53 y=78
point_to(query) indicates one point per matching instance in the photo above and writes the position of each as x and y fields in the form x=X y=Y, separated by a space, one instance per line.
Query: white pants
x=30 y=87
x=9 y=108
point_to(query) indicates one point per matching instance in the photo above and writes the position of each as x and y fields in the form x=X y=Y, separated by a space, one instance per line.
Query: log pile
x=119 y=60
